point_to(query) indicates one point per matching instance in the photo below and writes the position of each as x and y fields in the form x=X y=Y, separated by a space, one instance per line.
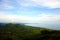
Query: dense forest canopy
x=9 y=31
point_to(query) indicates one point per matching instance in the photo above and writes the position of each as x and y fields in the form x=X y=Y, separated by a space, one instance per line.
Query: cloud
x=45 y=3
x=43 y=18
x=48 y=3
x=49 y=17
x=35 y=3
x=5 y=4
x=15 y=18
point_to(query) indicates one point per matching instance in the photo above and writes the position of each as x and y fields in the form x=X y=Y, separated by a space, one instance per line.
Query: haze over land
x=42 y=13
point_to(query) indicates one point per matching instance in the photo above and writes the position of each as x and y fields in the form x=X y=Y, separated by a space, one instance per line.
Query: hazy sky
x=44 y=13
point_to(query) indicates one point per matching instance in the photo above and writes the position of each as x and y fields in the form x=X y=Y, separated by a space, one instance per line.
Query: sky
x=43 y=13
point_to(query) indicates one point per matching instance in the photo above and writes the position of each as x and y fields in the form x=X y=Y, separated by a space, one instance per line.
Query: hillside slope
x=22 y=32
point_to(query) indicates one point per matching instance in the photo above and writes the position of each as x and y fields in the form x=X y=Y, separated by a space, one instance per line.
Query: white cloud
x=35 y=3
x=49 y=17
x=16 y=18
x=4 y=4
x=48 y=3
x=45 y=3
x=43 y=18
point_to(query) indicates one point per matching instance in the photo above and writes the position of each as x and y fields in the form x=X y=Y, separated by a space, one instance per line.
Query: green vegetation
x=22 y=32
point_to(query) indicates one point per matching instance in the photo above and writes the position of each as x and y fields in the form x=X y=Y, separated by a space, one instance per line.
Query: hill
x=11 y=31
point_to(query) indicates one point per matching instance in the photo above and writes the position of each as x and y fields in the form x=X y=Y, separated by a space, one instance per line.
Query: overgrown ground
x=22 y=32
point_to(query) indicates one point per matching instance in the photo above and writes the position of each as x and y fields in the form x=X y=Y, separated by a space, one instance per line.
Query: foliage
x=22 y=32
